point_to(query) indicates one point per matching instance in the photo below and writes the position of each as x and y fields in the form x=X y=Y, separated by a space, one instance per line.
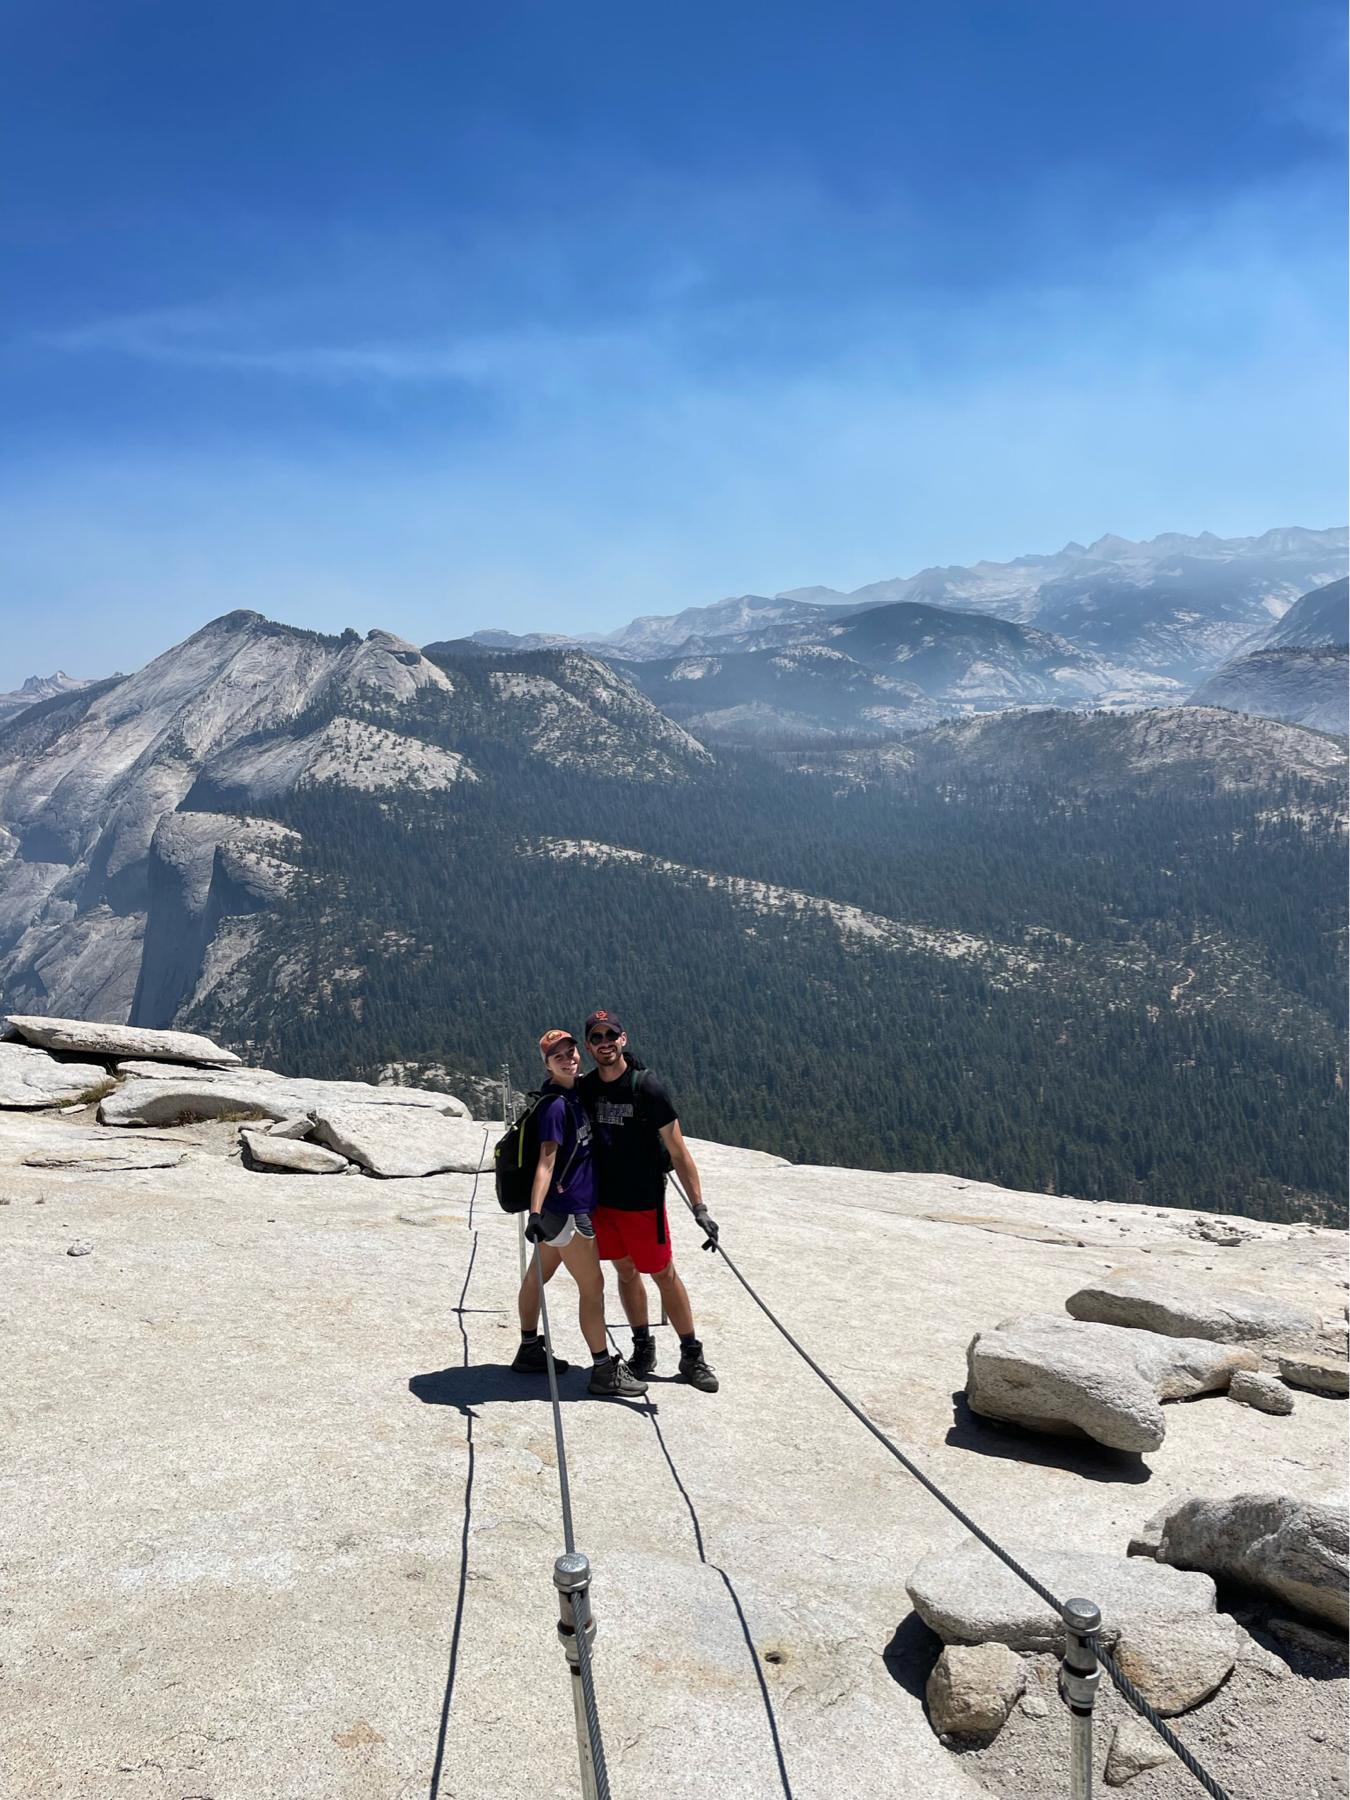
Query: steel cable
x=1122 y=1681
x=581 y=1633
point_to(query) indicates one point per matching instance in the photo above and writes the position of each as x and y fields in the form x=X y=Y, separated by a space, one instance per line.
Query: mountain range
x=349 y=854
x=1113 y=623
x=1299 y=670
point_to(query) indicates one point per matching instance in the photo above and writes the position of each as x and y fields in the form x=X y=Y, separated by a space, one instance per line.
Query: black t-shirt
x=630 y=1159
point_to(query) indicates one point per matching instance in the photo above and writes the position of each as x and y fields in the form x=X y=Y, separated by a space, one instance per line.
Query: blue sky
x=441 y=315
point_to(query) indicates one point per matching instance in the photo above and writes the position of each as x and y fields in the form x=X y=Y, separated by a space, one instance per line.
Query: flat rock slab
x=105 y=1156
x=1178 y=1309
x=30 y=1077
x=1298 y=1550
x=305 y=1094
x=1321 y=1374
x=396 y=1143
x=292 y=1155
x=119 y=1040
x=1108 y=1382
x=186 y=1100
x=967 y=1596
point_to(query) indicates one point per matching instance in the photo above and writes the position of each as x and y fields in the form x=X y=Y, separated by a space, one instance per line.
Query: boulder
x=185 y=1099
x=1176 y=1669
x=1264 y=1392
x=1176 y=1308
x=1322 y=1374
x=120 y=1040
x=262 y=1151
x=973 y=1688
x=394 y=1142
x=1135 y=1747
x=967 y=1596
x=1104 y=1381
x=30 y=1077
x=291 y=1128
x=1297 y=1550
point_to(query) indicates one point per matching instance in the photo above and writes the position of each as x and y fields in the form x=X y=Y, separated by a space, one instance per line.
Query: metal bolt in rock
x=1078 y=1679
x=576 y=1630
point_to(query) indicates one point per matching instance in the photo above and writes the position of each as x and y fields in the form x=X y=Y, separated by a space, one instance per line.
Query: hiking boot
x=695 y=1371
x=532 y=1359
x=615 y=1378
x=643 y=1359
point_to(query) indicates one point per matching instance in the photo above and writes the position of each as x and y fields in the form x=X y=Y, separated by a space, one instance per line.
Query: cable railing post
x=572 y=1578
x=1078 y=1679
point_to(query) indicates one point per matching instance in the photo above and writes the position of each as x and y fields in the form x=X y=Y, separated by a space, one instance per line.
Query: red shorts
x=619 y=1234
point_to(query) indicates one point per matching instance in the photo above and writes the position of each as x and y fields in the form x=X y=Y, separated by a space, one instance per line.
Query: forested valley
x=1145 y=1004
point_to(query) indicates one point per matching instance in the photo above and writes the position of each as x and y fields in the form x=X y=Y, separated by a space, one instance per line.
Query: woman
x=560 y=1226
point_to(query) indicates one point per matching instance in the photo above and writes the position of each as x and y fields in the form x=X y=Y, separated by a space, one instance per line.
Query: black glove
x=535 y=1232
x=708 y=1225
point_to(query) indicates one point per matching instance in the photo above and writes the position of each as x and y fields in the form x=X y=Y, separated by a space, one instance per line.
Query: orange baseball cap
x=552 y=1040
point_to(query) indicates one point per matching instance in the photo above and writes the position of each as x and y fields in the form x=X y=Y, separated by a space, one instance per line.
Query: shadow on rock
x=490 y=1384
x=911 y=1654
x=1078 y=1455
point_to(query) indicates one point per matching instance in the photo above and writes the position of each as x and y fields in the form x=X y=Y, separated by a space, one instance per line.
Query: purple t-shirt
x=564 y=1121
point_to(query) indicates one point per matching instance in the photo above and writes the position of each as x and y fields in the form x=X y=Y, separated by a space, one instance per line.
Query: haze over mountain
x=1115 y=622
x=346 y=854
x=1300 y=670
x=35 y=688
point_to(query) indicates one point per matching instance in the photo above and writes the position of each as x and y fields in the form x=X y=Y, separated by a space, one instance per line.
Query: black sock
x=690 y=1342
x=600 y=1358
x=530 y=1337
x=642 y=1334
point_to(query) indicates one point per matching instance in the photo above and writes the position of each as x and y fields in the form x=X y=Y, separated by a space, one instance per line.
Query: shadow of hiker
x=484 y=1384
x=1014 y=1443
x=911 y=1654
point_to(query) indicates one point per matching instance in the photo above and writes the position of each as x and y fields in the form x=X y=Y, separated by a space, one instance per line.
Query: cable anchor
x=1079 y=1677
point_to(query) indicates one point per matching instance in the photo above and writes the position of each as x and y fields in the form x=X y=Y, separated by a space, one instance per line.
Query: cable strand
x=1122 y=1681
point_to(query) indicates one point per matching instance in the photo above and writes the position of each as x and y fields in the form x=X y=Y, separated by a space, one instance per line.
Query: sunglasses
x=603 y=1037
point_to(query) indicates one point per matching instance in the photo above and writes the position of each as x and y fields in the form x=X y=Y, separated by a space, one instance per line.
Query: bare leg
x=676 y=1297
x=527 y=1300
x=632 y=1291
x=583 y=1265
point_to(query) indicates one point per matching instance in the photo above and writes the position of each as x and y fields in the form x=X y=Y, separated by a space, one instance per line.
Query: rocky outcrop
x=398 y=1142
x=181 y=1102
x=1319 y=1374
x=150 y=1095
x=289 y=1155
x=87 y=1038
x=973 y=1688
x=30 y=1077
x=1151 y=1302
x=1265 y=1392
x=1295 y=1550
x=967 y=1596
x=106 y=1157
x=1105 y=1381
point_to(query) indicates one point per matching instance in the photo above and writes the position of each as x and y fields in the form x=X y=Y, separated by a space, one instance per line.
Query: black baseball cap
x=601 y=1017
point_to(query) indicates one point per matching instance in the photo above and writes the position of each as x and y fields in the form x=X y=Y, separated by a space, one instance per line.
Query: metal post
x=1078 y=1679
x=572 y=1578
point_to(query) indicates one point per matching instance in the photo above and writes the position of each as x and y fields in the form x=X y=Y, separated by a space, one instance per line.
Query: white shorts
x=568 y=1226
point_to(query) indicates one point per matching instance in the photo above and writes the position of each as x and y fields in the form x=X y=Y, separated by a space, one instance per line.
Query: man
x=561 y=1201
x=637 y=1139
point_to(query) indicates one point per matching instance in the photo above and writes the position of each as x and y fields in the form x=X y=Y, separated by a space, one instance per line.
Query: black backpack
x=516 y=1155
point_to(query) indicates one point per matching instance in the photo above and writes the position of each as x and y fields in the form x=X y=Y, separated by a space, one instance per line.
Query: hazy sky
x=444 y=314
